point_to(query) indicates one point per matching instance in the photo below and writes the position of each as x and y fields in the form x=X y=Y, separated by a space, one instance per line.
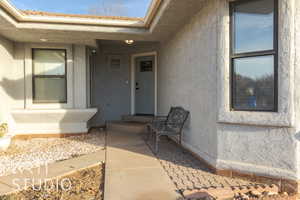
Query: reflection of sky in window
x=254 y=27
x=254 y=32
x=49 y=62
x=254 y=67
x=130 y=8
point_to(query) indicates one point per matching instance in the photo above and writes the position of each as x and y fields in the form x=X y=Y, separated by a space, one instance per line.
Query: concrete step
x=128 y=127
x=135 y=118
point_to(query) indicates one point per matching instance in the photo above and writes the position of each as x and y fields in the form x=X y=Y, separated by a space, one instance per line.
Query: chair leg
x=180 y=143
x=156 y=143
x=180 y=139
x=152 y=135
x=148 y=134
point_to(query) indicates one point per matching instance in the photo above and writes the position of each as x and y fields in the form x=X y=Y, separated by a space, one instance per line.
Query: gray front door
x=144 y=88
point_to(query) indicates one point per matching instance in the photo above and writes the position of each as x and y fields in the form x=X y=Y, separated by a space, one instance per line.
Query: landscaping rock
x=27 y=154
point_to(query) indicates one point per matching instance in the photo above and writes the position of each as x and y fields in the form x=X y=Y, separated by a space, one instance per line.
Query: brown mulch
x=85 y=184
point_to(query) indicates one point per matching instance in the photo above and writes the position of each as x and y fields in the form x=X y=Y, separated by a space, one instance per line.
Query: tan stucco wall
x=189 y=76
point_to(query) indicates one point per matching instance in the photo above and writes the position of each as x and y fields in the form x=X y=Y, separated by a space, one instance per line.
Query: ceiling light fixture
x=129 y=41
x=43 y=40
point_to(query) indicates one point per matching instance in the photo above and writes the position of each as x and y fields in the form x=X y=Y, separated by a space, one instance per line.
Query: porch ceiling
x=171 y=15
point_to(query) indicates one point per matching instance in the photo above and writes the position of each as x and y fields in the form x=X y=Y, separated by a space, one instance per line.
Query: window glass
x=49 y=76
x=254 y=83
x=50 y=90
x=49 y=62
x=253 y=26
x=253 y=55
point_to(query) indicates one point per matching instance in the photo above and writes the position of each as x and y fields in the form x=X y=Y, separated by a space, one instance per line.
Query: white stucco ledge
x=269 y=119
x=51 y=121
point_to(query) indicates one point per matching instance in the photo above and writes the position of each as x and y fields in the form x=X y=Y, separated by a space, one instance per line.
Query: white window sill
x=270 y=119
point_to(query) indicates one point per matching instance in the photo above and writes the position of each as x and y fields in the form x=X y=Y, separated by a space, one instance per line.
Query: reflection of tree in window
x=262 y=90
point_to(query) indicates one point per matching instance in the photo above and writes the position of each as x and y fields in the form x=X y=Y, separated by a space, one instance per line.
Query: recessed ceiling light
x=43 y=40
x=129 y=41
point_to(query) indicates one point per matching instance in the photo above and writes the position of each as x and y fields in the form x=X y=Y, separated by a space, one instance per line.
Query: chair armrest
x=164 y=124
x=177 y=124
x=174 y=125
x=159 y=118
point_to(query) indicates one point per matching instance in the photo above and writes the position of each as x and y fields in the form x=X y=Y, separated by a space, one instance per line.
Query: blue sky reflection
x=254 y=26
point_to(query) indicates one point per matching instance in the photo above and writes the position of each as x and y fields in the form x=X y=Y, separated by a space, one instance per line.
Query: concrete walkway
x=132 y=172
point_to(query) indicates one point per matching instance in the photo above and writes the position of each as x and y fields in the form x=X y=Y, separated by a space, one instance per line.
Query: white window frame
x=284 y=117
x=29 y=72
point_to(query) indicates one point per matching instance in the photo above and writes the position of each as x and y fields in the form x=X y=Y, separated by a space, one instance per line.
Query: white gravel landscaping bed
x=26 y=154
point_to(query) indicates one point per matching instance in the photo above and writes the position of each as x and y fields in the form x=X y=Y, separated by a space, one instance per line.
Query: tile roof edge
x=52 y=14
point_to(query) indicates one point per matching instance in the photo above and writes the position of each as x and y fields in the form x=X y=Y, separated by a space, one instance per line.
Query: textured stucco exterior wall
x=187 y=77
x=191 y=75
x=111 y=87
x=262 y=150
x=18 y=74
x=6 y=79
x=264 y=142
x=12 y=83
x=297 y=81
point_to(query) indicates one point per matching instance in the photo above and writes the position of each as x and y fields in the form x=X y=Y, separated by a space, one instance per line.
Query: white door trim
x=133 y=57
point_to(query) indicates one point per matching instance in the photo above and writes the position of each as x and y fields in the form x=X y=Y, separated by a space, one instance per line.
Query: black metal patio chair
x=170 y=125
